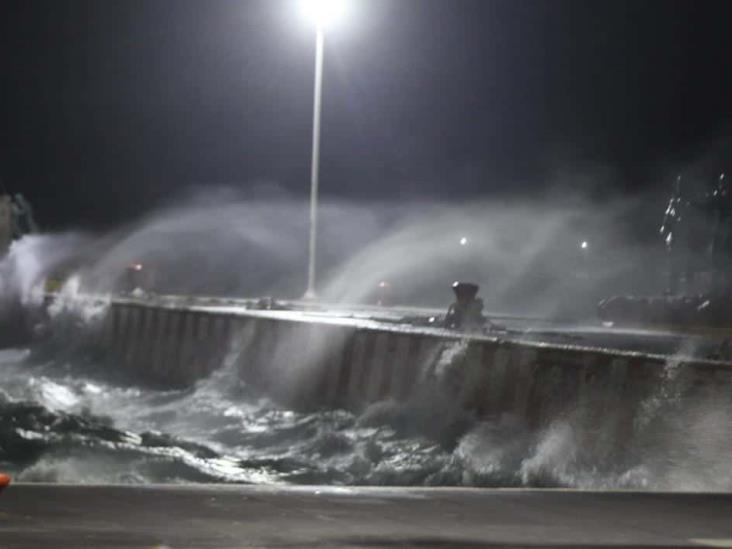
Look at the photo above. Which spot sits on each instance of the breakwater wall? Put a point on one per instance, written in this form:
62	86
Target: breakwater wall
312	360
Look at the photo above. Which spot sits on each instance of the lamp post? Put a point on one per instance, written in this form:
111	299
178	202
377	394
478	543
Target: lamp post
315	162
322	12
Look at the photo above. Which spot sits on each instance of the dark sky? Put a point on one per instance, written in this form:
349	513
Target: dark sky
109	107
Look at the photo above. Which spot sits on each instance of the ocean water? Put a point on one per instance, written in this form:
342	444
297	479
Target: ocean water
77	421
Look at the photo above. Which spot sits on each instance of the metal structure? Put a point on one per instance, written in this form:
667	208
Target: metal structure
315	161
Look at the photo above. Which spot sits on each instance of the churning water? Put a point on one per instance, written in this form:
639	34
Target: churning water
77	422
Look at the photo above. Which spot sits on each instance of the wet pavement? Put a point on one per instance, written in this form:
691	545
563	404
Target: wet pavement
38	515
590	333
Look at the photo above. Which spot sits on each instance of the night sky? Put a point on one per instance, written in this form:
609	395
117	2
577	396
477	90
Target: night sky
109	108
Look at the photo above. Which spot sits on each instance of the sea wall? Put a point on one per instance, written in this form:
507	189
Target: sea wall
307	361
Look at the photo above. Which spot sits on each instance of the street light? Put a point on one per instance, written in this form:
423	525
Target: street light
585	253
323	13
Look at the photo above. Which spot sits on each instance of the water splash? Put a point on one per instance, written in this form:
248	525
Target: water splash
62	423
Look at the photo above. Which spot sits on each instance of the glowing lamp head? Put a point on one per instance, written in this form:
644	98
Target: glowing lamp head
323	12
464	241
584	245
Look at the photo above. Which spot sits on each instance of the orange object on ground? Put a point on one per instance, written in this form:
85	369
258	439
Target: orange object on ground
4	480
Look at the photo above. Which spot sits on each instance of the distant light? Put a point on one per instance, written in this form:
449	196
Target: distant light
464	241
584	245
383	284
323	12
137	266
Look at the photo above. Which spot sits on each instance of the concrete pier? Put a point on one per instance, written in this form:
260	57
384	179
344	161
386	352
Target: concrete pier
244	516
311	359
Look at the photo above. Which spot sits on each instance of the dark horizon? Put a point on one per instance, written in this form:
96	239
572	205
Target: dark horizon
110	109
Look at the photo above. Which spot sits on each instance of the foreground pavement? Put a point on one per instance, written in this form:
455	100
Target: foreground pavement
37	515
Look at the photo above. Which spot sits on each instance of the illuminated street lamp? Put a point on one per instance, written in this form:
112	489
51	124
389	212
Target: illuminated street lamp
585	251
323	13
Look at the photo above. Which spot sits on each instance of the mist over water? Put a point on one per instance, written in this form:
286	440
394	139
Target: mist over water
539	259
31	259
66	417
550	257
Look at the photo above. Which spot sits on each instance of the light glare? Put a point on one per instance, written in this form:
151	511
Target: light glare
323	12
